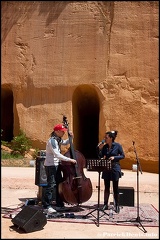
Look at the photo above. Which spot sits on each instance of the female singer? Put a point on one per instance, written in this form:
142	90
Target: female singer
113	153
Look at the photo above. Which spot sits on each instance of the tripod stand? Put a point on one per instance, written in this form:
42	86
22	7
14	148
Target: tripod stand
137	219
96	165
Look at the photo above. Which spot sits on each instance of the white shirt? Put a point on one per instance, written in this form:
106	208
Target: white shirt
53	155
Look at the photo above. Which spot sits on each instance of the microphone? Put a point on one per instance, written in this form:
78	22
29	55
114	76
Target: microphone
102	142
133	142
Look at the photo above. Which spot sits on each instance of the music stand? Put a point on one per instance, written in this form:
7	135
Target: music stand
97	165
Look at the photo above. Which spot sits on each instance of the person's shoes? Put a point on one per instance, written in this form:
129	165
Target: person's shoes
50	210
105	207
59	209
117	210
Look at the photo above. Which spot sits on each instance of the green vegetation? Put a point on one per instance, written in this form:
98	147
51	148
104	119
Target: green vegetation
7	155
20	145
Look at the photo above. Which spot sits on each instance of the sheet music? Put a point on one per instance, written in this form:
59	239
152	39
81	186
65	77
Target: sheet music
98	164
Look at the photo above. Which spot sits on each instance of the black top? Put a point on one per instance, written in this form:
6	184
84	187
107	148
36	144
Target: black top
116	151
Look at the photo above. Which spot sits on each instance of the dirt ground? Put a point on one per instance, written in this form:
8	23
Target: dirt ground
18	184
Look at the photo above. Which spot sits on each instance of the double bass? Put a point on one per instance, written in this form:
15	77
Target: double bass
76	188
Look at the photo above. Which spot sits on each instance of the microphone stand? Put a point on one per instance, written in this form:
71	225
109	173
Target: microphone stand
138	220
138	169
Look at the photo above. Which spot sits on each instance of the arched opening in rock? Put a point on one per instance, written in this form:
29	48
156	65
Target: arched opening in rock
85	107
6	114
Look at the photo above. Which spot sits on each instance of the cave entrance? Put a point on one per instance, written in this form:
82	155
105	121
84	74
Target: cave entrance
86	109
6	114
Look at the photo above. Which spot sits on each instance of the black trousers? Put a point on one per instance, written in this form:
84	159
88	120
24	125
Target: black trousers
107	191
54	177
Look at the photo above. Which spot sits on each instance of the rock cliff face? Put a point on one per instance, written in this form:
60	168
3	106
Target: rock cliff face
94	62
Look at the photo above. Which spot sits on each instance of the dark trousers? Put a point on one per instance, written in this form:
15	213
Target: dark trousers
54	177
107	191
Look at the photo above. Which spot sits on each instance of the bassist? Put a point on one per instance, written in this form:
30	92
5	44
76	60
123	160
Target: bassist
52	167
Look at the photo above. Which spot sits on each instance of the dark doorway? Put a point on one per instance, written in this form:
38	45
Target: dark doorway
6	114
86	120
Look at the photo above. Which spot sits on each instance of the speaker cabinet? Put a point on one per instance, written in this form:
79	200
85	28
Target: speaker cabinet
30	219
126	196
41	179
40	174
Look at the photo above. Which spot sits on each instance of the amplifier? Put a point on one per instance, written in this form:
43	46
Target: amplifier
41	153
40	173
41	179
126	196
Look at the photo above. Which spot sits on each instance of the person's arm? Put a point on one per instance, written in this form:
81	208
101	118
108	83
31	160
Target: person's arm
101	150
61	157
55	150
67	141
120	155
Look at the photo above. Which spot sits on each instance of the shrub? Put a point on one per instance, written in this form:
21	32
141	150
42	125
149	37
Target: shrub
5	143
20	144
7	155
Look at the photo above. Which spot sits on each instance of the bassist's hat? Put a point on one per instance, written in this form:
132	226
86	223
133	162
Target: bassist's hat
60	127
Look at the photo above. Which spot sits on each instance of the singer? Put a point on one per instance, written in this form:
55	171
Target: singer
112	151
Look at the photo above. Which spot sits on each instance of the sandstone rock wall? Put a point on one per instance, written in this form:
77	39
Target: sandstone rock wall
95	62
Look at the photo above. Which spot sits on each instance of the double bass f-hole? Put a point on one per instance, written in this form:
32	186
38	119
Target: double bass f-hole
76	188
